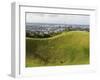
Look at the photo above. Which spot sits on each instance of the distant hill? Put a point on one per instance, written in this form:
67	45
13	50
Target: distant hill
52	24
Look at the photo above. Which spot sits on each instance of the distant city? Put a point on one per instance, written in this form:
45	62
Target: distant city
49	28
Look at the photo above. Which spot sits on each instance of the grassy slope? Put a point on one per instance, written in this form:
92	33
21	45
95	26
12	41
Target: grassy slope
65	49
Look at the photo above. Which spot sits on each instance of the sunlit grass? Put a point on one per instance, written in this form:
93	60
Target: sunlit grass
67	48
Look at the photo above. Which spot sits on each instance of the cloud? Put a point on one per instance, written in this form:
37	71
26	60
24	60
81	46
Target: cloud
57	18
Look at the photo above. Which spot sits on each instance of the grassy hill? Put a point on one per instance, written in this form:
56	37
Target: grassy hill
67	48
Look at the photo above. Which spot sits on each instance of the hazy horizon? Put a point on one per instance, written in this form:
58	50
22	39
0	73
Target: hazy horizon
57	18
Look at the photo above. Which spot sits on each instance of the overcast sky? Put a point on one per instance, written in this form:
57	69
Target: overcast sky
57	18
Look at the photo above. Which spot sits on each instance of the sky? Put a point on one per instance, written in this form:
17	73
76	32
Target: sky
57	18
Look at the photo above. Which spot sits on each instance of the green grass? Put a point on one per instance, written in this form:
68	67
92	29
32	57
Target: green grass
67	48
